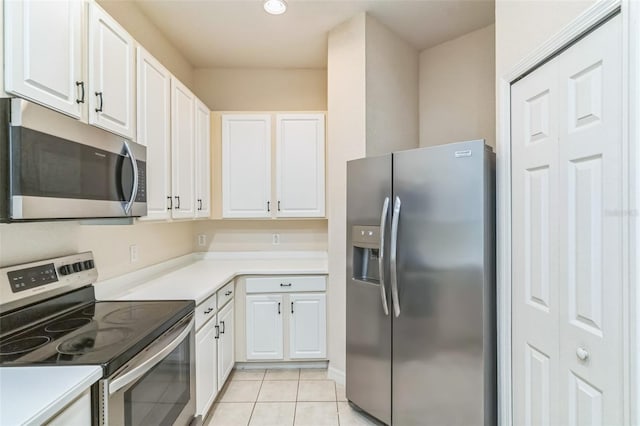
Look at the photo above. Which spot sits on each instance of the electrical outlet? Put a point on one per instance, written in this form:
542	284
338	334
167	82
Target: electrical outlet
202	240
275	239
133	253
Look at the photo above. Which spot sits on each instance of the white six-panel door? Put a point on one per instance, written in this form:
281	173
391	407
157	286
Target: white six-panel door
111	95
246	165
567	236
154	131
300	165
43	53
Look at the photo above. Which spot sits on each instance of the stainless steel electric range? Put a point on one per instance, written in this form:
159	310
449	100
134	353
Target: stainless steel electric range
49	316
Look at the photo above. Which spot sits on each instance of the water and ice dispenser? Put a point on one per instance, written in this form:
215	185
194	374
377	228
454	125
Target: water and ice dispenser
366	249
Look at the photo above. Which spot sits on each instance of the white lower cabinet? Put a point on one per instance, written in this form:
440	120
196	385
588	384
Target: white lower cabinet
304	314
206	363
264	326
77	413
226	358
307	326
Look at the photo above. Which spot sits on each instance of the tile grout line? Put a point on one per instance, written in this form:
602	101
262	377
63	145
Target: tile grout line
295	407
256	401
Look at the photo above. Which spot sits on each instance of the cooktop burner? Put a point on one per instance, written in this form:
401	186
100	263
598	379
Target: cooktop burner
67	325
25	344
94	340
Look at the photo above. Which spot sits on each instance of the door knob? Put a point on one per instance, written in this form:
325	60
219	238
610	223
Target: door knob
582	354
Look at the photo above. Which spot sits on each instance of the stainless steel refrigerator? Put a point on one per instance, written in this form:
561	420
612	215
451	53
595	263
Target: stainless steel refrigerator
421	327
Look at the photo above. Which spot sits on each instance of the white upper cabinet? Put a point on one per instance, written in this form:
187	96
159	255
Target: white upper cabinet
182	150
246	165
111	71
203	160
153	129
300	165
43	53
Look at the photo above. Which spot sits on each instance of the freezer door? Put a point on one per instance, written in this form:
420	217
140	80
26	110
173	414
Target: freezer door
368	370
443	325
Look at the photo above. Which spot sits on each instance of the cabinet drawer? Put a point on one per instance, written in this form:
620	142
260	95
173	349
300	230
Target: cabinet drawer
205	311
286	284
225	294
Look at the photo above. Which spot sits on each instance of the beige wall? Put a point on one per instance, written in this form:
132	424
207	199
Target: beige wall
243	89
457	89
391	91
254	235
25	242
147	34
346	140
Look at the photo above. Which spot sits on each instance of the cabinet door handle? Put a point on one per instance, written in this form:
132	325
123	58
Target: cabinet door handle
199	204
228	293
217	332
81	85
223	327
291	307
170	200
99	95
285	285
268	206
177	206
208	311
278	205
279	308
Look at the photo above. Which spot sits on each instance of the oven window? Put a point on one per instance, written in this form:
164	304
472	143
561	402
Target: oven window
161	395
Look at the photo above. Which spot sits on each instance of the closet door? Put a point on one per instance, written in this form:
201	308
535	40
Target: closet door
567	236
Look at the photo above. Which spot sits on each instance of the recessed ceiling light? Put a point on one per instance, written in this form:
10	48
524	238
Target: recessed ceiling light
275	7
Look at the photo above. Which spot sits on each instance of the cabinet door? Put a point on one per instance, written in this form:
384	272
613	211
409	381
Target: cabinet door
206	364
264	327
307	326
226	354
203	160
300	165
182	150
43	53
246	166
111	71
154	115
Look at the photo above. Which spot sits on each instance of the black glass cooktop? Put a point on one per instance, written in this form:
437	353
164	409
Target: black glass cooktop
94	333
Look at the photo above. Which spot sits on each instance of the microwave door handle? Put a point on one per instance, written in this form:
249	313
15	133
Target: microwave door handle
134	190
138	368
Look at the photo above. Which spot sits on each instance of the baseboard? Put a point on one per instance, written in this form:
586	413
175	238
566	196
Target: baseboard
280	365
337	375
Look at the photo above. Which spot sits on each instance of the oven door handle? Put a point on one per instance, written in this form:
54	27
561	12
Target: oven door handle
151	356
134	190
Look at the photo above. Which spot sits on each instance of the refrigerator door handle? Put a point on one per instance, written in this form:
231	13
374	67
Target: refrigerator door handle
383	223
393	256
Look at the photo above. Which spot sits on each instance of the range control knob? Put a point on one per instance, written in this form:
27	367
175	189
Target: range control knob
66	270
88	264
77	267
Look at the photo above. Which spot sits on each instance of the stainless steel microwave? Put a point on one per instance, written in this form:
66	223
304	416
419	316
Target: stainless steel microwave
53	167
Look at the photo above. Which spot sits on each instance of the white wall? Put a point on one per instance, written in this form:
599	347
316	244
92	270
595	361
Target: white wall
346	105
245	89
127	13
25	242
391	91
253	235
457	89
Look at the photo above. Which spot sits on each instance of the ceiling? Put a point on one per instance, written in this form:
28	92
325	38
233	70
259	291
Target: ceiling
238	33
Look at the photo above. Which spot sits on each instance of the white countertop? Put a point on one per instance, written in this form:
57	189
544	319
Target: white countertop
207	273
32	395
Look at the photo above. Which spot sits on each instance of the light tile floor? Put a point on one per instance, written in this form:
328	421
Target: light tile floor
280	397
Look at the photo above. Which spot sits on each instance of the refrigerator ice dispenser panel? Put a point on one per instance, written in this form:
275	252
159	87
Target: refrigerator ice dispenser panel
366	248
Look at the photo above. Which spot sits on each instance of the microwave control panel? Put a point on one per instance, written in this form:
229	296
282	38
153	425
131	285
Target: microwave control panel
141	195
